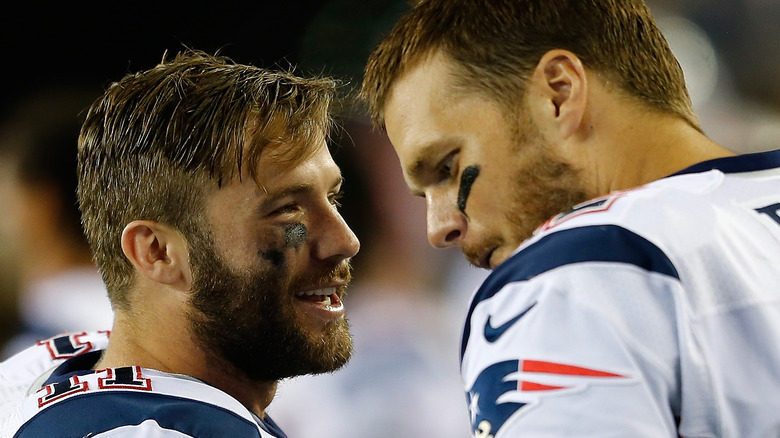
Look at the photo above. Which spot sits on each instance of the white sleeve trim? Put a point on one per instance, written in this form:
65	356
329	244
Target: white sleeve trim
147	429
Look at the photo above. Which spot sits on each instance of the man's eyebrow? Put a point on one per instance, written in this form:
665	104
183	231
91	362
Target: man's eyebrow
427	152
295	189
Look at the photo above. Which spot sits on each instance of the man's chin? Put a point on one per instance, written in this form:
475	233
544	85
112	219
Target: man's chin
334	345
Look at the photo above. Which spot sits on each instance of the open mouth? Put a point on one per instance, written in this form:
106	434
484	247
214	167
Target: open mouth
326	297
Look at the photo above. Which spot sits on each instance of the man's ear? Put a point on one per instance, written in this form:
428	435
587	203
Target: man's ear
158	252
560	81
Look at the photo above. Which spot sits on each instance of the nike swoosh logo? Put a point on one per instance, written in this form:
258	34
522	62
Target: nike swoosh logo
493	333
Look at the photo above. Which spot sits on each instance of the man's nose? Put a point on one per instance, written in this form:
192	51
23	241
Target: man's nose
446	224
336	240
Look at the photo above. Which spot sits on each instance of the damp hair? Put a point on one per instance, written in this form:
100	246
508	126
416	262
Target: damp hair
496	44
157	141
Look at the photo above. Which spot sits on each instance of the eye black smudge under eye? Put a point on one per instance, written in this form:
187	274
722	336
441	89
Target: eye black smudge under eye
275	256
274	252
468	177
295	235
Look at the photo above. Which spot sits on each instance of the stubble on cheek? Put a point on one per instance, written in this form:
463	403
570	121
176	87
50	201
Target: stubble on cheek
545	187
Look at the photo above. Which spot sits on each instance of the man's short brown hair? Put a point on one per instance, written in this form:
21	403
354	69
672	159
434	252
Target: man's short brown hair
496	44
156	141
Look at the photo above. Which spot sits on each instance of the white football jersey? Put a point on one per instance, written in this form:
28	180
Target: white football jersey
653	312
50	390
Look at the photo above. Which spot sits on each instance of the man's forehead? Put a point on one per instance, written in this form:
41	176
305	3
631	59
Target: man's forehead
416	109
434	73
276	158
274	178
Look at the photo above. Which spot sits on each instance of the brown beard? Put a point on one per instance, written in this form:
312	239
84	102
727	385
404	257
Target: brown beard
542	186
248	320
545	187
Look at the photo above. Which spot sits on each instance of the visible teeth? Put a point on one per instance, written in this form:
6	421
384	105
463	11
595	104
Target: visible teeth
328	291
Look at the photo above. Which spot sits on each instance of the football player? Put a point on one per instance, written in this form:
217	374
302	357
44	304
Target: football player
635	262
210	200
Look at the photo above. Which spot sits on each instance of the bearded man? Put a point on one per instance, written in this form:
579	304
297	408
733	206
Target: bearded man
209	198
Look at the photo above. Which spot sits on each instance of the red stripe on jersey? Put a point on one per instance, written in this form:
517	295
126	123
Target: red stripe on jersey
537	366
533	386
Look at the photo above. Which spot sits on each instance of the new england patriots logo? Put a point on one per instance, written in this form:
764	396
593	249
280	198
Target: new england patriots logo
487	416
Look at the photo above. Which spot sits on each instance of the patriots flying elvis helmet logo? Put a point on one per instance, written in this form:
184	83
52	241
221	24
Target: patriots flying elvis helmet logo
488	416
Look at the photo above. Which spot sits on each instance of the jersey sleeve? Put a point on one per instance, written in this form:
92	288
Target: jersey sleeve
575	336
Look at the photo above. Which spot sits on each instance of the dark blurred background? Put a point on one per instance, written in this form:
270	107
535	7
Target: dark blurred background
88	44
91	43
408	300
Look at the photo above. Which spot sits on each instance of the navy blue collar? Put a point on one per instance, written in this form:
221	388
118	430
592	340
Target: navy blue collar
76	366
736	164
82	365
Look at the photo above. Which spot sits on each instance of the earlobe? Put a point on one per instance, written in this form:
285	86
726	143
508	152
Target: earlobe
158	252
561	75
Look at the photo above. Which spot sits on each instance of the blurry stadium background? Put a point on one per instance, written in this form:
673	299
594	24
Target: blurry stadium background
407	300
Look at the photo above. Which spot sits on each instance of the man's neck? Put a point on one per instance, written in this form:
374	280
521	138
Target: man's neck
671	147
630	147
622	143
162	342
